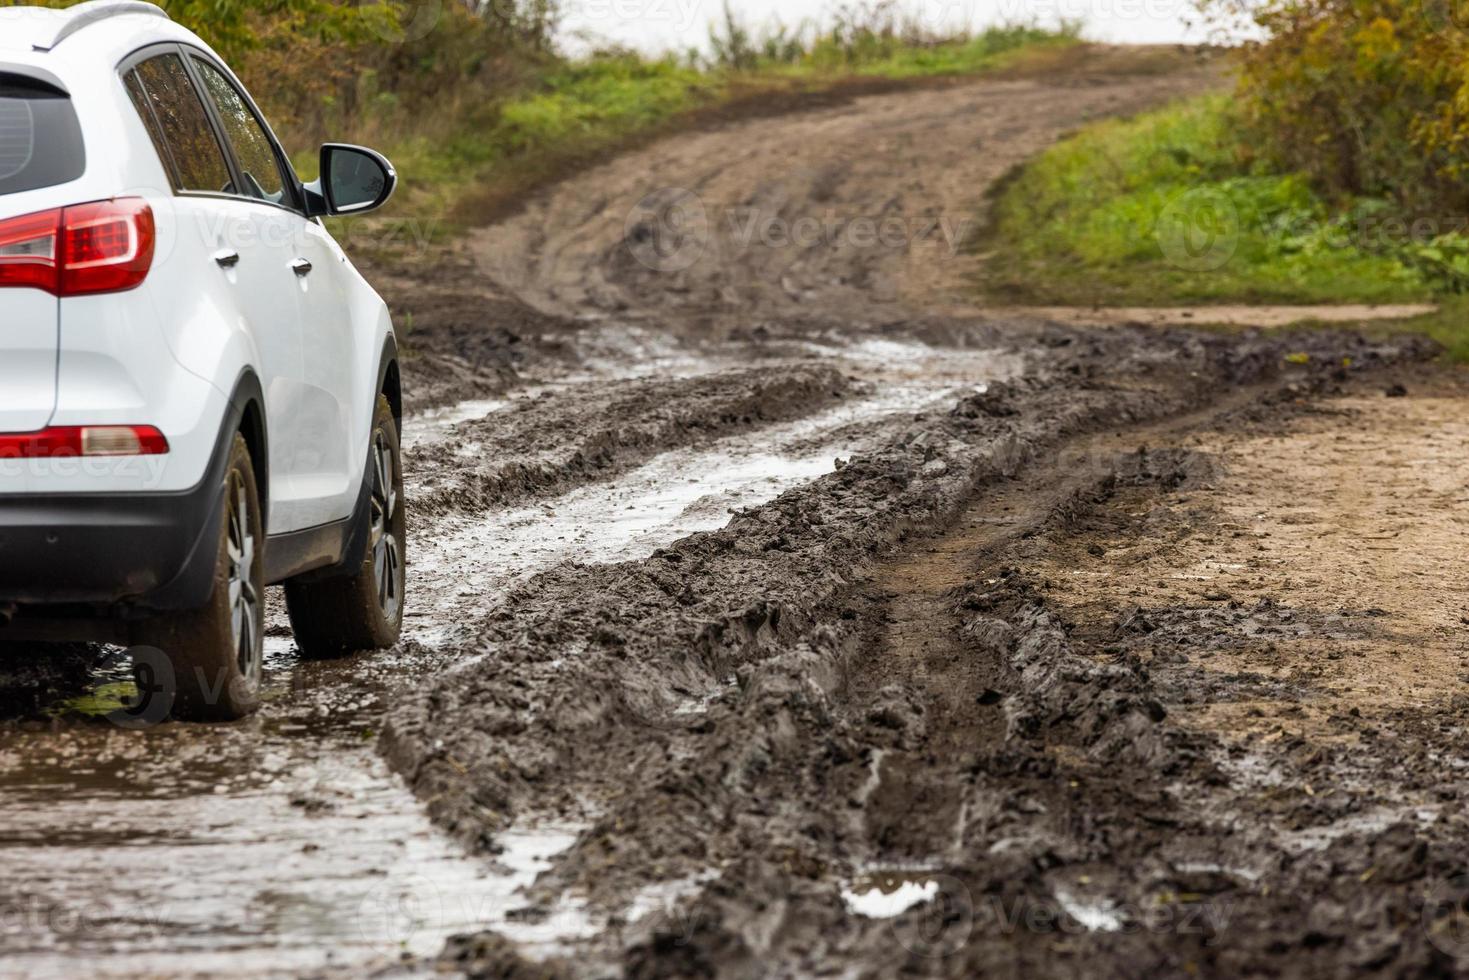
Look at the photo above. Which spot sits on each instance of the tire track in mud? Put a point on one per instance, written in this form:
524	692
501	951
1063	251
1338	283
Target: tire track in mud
313	796
565	438
1114	823
661	746
920	629
657	698
839	405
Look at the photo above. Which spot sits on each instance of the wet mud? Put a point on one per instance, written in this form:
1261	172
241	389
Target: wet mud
786	614
773	710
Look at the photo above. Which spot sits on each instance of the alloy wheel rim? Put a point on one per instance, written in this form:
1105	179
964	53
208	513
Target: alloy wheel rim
244	596
387	550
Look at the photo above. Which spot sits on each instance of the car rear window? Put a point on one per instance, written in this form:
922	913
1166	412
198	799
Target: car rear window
40	138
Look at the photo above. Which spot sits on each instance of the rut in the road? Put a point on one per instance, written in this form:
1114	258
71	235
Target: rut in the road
582	704
572	436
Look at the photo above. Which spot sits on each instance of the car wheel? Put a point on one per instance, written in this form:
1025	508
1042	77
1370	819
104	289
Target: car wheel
362	610
216	653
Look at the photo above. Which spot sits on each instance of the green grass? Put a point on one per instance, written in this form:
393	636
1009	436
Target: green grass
100	701
1162	209
473	157
575	110
875	57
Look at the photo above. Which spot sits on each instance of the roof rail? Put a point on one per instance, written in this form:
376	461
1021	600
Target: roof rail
92	12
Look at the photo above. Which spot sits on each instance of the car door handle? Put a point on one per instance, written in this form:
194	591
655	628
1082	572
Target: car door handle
227	258
301	267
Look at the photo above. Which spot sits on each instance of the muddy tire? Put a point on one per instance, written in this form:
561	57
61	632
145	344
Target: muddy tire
363	610
216	652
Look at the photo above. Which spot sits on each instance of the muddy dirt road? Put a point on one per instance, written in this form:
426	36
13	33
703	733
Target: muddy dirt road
776	612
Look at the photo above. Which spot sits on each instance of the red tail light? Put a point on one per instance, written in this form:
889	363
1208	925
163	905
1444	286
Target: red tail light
104	247
85	440
28	250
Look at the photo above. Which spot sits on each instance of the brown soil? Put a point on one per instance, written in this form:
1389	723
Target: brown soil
1137	650
854	214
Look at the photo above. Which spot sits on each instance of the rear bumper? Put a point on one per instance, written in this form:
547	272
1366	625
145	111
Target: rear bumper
150	552
107	555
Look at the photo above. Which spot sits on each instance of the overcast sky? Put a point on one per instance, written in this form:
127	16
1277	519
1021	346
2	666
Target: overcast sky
660	25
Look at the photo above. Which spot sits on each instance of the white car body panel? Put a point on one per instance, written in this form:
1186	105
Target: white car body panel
28	364
170	352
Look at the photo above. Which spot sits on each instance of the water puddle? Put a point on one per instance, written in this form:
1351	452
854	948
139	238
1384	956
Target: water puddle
884	894
674	495
423	428
277	846
1369	824
629	353
1093	915
283	845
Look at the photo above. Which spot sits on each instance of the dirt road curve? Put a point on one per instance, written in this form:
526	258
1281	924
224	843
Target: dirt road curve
778	613
856	215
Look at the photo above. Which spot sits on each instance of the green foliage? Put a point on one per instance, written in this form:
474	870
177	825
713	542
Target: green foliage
1367	97
619	92
871	40
234	27
574	110
472	105
1168	208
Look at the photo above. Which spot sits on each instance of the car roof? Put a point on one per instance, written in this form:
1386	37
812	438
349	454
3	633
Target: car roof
22	27
104	31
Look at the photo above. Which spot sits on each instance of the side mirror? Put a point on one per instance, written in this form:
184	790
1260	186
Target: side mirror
354	180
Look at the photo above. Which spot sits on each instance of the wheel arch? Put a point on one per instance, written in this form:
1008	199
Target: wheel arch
247	417
390	381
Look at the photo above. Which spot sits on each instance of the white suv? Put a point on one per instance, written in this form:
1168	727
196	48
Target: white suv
199	394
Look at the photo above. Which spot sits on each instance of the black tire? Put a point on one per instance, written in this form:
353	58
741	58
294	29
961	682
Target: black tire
362	610
215	654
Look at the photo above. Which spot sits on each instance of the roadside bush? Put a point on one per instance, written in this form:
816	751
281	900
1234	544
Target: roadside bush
1370	98
474	104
